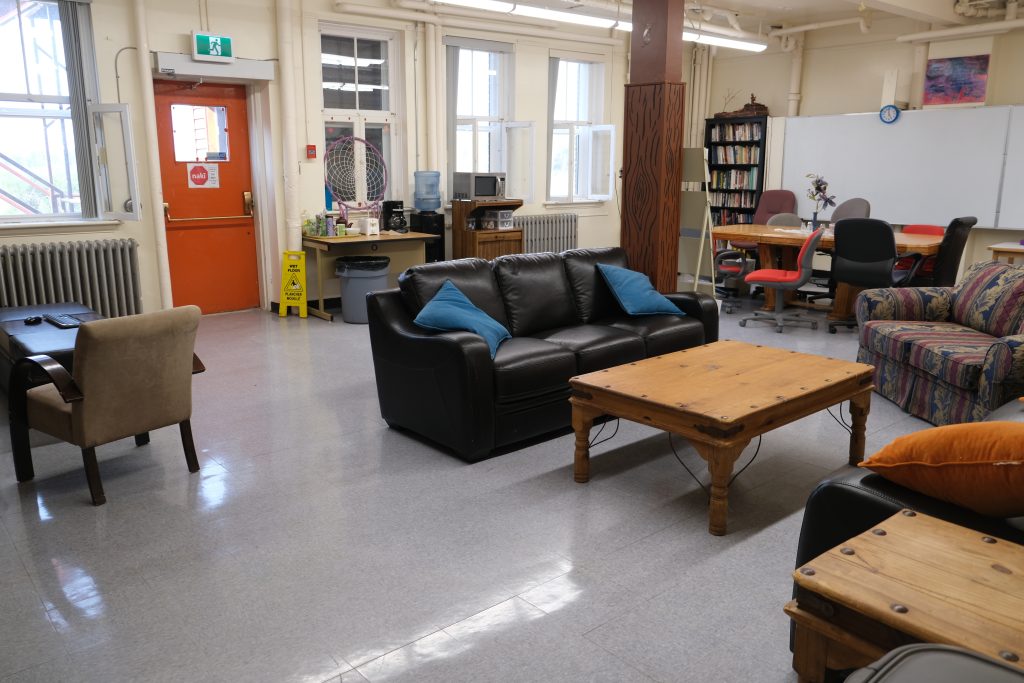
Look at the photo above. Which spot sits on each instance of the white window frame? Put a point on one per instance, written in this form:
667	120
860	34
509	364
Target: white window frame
359	118
512	187
581	135
85	118
506	83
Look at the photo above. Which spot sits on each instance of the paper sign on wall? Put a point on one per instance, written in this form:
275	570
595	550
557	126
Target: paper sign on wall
203	176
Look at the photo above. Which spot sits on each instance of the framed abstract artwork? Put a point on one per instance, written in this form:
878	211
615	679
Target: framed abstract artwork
956	80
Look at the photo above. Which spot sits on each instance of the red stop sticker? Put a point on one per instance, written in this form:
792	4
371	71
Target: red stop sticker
198	175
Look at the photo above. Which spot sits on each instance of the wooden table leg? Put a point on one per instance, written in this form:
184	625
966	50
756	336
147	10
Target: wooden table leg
582	420
720	461
860	406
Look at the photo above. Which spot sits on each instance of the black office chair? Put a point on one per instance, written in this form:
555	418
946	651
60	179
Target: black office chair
865	256
941	272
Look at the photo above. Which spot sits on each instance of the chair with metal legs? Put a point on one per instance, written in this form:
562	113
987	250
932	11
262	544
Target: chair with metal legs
783	281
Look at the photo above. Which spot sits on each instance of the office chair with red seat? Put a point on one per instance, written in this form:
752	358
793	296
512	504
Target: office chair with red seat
785	280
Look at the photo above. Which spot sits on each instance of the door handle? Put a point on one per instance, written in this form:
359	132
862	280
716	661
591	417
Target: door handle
246	207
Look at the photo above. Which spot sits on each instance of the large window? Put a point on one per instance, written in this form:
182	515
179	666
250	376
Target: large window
482	138
581	164
54	161
481	107
359	96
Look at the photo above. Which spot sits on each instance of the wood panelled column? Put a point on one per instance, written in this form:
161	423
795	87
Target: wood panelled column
652	144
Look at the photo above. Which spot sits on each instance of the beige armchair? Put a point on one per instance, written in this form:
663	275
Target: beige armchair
131	375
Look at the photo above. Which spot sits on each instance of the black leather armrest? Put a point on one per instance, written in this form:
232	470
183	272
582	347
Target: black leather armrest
701	306
438	384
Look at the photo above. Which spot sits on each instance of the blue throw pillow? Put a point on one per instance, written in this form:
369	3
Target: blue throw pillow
634	292
451	310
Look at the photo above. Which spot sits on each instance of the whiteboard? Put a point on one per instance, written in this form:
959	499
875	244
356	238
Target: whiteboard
1011	208
929	167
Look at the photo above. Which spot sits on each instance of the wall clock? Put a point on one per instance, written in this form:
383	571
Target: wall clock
890	113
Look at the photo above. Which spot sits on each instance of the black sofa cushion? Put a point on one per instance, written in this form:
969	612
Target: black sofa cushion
661	333
473	277
594	300
536	292
525	367
597	346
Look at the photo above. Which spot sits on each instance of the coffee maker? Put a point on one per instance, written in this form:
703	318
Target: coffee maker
392	216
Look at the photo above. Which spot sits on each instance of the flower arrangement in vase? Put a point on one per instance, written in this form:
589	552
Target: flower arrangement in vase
819	193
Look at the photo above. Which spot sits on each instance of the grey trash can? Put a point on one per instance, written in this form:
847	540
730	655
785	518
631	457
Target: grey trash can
360	275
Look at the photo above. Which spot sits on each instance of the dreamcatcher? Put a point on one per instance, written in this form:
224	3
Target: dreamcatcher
356	173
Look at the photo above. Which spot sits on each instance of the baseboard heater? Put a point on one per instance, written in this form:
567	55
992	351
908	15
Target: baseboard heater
102	274
547	232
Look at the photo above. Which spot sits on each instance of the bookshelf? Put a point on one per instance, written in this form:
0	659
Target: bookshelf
736	165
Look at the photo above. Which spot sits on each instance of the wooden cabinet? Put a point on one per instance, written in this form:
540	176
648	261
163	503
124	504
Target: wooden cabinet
736	162
486	244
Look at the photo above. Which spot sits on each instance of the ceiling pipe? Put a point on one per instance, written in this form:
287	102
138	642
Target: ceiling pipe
966	9
988	29
459	11
865	26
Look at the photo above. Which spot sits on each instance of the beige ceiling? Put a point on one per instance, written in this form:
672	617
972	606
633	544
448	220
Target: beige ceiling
789	11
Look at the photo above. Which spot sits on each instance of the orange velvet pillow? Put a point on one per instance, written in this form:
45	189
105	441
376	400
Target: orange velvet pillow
978	465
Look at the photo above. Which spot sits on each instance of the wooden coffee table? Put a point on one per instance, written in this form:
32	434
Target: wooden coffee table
913	578
719	396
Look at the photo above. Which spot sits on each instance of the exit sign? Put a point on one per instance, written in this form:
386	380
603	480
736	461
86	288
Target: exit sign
208	47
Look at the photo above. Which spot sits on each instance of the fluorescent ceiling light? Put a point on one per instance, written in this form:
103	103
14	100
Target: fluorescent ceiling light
489	5
567	17
708	39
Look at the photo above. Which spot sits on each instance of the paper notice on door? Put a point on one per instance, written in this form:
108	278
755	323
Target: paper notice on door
203	176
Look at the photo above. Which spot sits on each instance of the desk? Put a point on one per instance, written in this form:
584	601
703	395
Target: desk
777	242
1008	250
405	249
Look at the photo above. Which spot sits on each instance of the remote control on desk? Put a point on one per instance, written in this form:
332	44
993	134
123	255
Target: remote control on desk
62	320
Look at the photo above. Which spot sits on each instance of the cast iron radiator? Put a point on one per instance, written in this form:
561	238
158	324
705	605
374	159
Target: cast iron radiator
103	275
547	232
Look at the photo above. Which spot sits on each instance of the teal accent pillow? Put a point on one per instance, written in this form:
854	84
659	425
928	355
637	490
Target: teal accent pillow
634	292
451	310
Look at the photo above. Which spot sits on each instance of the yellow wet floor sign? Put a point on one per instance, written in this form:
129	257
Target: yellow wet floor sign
293	283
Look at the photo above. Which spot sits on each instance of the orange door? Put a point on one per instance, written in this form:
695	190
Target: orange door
207	181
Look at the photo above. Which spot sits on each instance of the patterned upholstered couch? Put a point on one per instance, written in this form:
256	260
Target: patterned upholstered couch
947	354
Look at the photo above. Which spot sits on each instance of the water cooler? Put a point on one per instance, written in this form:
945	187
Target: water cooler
427	200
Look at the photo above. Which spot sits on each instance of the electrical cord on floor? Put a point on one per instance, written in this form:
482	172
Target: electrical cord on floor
699	483
840	420
611	436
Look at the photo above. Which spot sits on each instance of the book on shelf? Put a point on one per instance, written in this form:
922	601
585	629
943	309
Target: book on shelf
736	132
736	154
734	179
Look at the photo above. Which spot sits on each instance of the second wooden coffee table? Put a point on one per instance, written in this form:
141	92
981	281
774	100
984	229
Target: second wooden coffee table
719	396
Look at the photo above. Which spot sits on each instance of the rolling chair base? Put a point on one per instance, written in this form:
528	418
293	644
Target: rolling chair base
780	319
841	323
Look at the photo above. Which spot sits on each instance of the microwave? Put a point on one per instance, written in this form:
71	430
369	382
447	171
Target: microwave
478	186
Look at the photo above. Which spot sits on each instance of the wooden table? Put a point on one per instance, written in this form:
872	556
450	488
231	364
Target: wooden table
783	243
719	396
913	578
1007	250
384	244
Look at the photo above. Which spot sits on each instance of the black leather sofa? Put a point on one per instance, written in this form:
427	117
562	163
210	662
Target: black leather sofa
564	322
